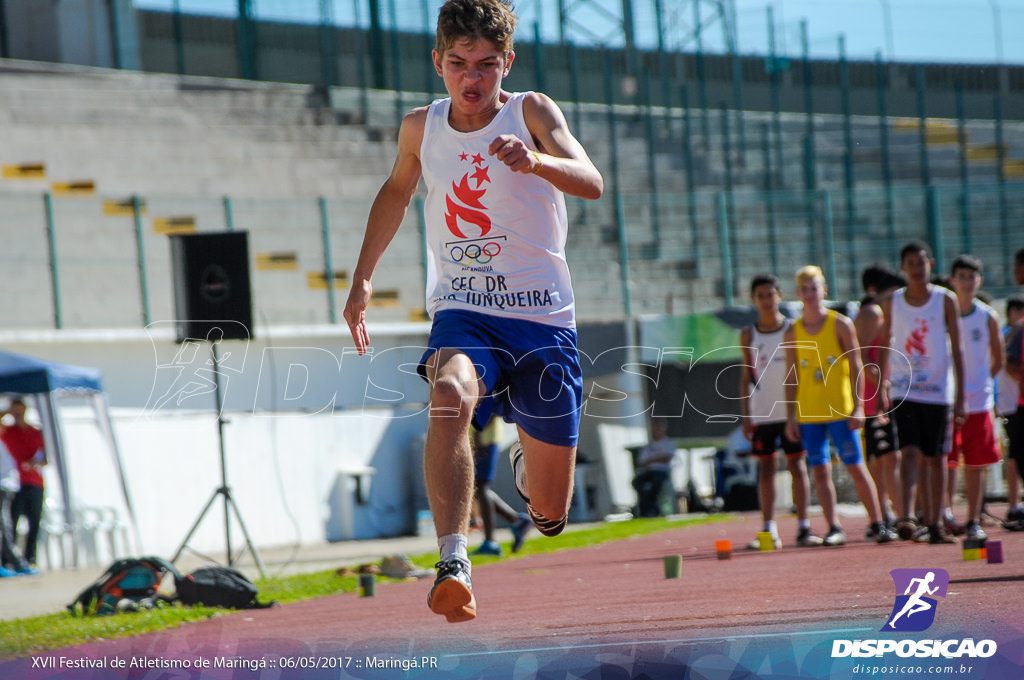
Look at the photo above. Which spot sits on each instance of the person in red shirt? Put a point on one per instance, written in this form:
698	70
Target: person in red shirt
25	442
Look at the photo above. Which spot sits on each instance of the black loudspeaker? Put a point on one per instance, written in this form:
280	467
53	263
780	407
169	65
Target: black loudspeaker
212	297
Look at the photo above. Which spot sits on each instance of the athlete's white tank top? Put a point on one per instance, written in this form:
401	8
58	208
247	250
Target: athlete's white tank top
921	369
768	394
496	238
978	383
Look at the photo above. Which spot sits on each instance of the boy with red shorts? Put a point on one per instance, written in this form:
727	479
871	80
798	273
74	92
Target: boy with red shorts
975	440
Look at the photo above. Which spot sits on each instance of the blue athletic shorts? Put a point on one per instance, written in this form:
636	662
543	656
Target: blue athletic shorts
531	371
847	442
486	458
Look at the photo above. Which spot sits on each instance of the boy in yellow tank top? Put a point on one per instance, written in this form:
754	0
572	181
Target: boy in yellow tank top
826	401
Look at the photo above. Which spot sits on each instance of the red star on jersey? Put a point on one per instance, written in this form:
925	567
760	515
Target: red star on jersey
463	156
477	159
480	175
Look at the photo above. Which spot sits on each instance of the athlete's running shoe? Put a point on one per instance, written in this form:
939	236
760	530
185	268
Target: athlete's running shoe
975	531
952	527
519	529
905	528
938	536
515	456
452	594
835	537
880	533
489	548
806	539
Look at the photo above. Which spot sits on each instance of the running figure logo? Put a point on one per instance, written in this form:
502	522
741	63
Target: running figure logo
914	610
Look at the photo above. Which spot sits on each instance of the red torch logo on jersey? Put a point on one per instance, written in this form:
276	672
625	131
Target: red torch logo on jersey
468	208
915	344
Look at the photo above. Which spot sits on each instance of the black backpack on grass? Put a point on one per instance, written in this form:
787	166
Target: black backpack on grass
216	586
129	584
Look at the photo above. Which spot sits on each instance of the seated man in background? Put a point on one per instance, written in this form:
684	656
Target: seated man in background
653	469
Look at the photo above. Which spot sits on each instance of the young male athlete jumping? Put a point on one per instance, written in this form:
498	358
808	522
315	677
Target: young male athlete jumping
503	339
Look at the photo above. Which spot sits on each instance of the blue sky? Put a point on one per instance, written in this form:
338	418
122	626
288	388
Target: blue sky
904	30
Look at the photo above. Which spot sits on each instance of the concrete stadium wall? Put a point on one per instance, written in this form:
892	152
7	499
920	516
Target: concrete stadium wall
303	412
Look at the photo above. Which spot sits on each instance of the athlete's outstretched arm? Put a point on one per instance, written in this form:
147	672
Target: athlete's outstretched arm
952	313
846	334
884	341
561	159
747	380
792	425
386	215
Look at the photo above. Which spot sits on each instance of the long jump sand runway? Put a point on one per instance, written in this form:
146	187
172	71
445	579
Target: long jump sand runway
608	612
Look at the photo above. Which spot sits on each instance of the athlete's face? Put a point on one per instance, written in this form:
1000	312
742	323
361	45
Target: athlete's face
812	291
966	283
917	266
766	298
473	70
1015	316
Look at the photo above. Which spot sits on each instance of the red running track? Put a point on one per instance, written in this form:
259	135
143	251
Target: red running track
607	612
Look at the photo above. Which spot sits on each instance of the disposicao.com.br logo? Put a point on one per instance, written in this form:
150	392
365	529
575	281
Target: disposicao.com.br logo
914	611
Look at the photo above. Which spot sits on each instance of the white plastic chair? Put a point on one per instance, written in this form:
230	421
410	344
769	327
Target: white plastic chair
53	529
88	524
117	532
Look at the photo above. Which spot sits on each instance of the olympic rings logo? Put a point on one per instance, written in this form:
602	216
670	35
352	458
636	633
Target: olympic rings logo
475	253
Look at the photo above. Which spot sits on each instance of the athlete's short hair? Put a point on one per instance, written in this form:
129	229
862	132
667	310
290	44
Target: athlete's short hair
765	280
491	20
915	247
873	275
1014	303
942	280
965	261
809	272
893	281
1018	257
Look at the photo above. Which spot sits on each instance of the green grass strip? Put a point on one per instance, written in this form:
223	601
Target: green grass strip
23	637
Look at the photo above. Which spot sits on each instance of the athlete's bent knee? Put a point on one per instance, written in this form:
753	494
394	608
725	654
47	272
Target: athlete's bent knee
448	394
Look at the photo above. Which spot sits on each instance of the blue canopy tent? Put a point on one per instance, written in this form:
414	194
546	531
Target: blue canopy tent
45	380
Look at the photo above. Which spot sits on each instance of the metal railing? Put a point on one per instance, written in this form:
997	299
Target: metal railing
76	267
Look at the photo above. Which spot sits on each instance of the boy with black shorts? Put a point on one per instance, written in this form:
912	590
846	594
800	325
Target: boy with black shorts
1015	368
1007	392
764	410
925	389
881	446
503	340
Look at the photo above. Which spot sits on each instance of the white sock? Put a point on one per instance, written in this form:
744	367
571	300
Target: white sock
803	524
772	527
454	547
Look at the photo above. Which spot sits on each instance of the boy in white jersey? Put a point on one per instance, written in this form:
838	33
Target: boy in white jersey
975	439
926	368
496	166
763	404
